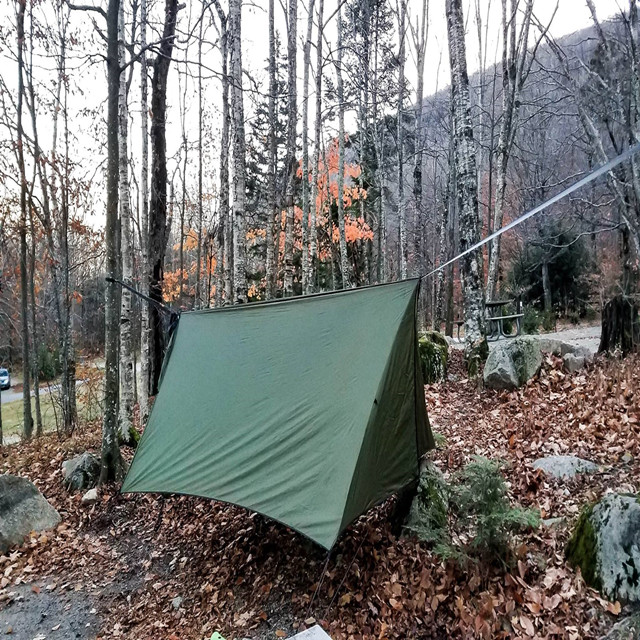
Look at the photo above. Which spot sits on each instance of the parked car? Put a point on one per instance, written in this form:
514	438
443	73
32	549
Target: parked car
5	379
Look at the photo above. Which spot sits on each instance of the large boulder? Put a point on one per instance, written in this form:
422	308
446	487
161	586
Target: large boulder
606	546
23	509
564	466
82	472
434	353
511	363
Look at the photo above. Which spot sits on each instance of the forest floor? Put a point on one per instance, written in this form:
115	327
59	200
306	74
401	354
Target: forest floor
141	567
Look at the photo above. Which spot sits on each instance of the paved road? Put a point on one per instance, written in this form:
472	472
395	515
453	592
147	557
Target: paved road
588	337
12	396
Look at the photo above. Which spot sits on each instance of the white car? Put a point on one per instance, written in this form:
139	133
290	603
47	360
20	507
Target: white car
5	379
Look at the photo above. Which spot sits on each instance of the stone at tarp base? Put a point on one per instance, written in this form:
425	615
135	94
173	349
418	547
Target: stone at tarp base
81	472
315	633
23	509
90	497
564	466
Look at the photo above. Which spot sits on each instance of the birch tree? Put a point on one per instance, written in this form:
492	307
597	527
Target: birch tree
238	152
273	230
305	151
471	275
290	163
344	258
144	218
126	246
402	213
313	239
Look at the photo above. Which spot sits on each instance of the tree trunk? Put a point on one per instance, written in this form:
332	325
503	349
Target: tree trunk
273	229
24	281
126	338
402	213
313	209
238	155
290	164
305	152
198	300
620	325
546	286
35	365
158	228
112	464
344	258
144	221
471	275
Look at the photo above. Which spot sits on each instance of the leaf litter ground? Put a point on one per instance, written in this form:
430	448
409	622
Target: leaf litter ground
147	567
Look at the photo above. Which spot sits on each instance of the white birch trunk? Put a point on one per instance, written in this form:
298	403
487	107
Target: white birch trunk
144	221
344	258
313	213
402	213
471	275
126	341
305	151
238	153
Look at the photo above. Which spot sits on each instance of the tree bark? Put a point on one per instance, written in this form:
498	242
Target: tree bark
238	153
402	213
471	275
144	221
273	229
305	152
126	339
290	164
344	258
112	464
158	228
315	170
24	281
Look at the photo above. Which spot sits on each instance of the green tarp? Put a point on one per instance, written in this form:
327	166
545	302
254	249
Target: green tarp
308	410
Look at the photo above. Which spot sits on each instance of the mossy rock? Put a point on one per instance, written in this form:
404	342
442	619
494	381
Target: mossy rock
434	355
606	546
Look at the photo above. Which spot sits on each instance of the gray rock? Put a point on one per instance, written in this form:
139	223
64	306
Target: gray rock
22	509
606	546
82	472
626	457
511	363
572	362
553	523
625	629
176	603
90	497
564	466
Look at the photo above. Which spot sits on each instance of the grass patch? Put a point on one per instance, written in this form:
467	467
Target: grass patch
89	408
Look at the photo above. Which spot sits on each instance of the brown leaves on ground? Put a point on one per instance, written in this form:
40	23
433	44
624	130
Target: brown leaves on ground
245	577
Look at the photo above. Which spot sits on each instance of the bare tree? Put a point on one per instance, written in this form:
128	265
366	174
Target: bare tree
305	151
126	246
467	191
158	203
238	153
402	213
24	281
290	163
112	464
344	258
144	218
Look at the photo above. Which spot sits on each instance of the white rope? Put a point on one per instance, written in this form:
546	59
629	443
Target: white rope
596	173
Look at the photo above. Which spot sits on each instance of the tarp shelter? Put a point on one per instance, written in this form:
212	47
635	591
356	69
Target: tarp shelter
307	410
